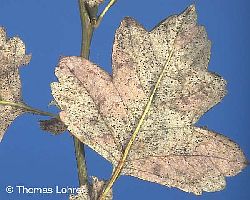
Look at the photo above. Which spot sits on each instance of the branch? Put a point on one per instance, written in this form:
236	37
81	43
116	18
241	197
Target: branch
87	29
87	14
88	22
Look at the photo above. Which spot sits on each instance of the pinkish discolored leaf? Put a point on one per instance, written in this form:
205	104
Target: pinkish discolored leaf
159	89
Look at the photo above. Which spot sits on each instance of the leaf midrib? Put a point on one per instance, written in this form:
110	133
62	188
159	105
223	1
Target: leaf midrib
122	161
116	173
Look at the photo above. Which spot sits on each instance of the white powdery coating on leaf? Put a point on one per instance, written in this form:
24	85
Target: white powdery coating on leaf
168	65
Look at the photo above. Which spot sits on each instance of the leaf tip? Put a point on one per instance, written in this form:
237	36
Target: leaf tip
192	8
190	11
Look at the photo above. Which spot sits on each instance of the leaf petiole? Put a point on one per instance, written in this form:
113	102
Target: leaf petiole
100	17
27	108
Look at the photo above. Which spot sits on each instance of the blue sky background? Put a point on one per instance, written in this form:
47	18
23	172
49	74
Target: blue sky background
50	29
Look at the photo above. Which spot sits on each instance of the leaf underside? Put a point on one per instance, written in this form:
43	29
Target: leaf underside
12	56
159	89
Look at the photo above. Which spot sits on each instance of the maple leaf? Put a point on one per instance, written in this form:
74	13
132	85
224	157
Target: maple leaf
142	118
92	193
12	56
